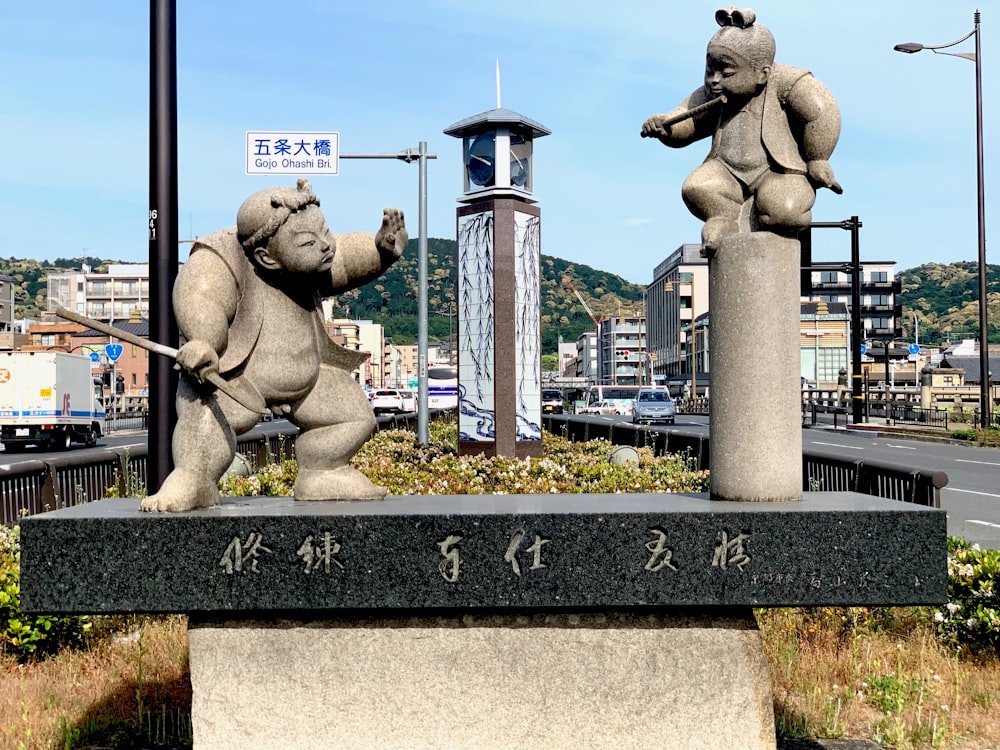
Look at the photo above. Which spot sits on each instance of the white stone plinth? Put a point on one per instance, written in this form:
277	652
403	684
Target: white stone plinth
506	681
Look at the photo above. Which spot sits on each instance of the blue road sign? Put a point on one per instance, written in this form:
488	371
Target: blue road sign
95	357
913	349
114	351
864	348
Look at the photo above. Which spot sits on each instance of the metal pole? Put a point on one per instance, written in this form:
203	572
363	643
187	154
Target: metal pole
423	432
694	377
984	339
856	398
163	236
421	157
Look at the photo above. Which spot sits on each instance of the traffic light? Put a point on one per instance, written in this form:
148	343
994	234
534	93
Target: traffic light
120	384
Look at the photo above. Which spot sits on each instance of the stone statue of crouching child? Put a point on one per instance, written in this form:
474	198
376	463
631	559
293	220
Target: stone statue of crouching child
773	128
248	303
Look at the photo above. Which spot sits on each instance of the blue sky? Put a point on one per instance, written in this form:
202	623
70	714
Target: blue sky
388	74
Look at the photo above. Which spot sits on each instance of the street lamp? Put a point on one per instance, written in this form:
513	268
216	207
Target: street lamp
976	57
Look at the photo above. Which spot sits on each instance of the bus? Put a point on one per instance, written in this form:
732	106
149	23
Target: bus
442	387
618	394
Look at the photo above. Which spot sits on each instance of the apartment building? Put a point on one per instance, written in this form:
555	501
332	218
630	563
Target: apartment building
621	348
675	299
114	295
881	311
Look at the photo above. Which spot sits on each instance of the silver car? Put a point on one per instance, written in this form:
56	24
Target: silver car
653	406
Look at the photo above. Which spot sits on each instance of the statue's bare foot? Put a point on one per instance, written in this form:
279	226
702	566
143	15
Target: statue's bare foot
183	490
715	230
342	483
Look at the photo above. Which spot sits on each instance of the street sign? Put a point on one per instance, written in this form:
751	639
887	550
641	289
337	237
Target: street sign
95	357
863	349
914	357
913	349
292	152
114	351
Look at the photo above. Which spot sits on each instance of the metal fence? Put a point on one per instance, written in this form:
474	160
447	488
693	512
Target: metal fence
31	487
909	414
130	419
820	472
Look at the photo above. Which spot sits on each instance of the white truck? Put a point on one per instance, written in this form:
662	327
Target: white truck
49	399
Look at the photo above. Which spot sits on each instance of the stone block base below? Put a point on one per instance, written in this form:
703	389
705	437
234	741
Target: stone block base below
560	680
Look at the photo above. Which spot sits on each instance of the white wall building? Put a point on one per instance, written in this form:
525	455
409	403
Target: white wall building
114	295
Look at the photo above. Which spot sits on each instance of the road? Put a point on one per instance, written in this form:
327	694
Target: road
971	499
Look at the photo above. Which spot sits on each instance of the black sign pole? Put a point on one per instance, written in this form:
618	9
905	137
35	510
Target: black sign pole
163	233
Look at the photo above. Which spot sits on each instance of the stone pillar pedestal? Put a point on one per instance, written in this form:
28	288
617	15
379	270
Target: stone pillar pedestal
620	679
756	436
926	397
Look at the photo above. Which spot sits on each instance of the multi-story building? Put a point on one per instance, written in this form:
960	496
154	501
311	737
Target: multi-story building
114	295
585	365
824	333
621	344
881	312
677	296
6	304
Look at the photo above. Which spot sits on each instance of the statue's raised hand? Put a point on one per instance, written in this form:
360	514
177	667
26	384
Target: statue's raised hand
392	237
821	174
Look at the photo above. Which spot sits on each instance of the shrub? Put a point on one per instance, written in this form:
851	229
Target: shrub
23	635
971	618
394	458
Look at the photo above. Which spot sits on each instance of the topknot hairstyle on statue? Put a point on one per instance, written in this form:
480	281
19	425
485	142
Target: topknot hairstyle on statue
741	34
263	213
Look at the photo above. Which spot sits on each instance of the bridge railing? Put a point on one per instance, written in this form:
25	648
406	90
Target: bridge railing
31	487
820	472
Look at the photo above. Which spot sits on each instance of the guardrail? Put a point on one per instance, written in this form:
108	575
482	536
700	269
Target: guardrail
909	414
820	472
30	487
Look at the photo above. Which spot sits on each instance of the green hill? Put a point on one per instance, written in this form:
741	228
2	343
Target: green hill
945	299
392	298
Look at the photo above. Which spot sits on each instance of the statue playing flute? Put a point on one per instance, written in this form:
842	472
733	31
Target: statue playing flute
773	128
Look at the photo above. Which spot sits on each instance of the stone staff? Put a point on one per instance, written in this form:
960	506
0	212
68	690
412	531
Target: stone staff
232	388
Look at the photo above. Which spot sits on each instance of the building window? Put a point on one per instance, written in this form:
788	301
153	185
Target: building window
830	361
829	277
881	300
829	298
99	288
877	277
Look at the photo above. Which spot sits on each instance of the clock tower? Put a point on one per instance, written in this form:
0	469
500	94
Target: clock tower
499	314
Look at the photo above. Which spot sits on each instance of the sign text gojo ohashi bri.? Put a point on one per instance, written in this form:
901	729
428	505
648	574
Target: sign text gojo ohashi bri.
292	152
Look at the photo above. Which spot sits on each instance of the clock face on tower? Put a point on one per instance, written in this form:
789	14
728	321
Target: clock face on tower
520	162
480	159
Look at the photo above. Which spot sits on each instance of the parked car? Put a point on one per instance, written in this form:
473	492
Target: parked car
653	406
552	401
386	400
603	407
409	402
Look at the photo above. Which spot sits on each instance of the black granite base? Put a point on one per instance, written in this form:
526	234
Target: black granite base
484	552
